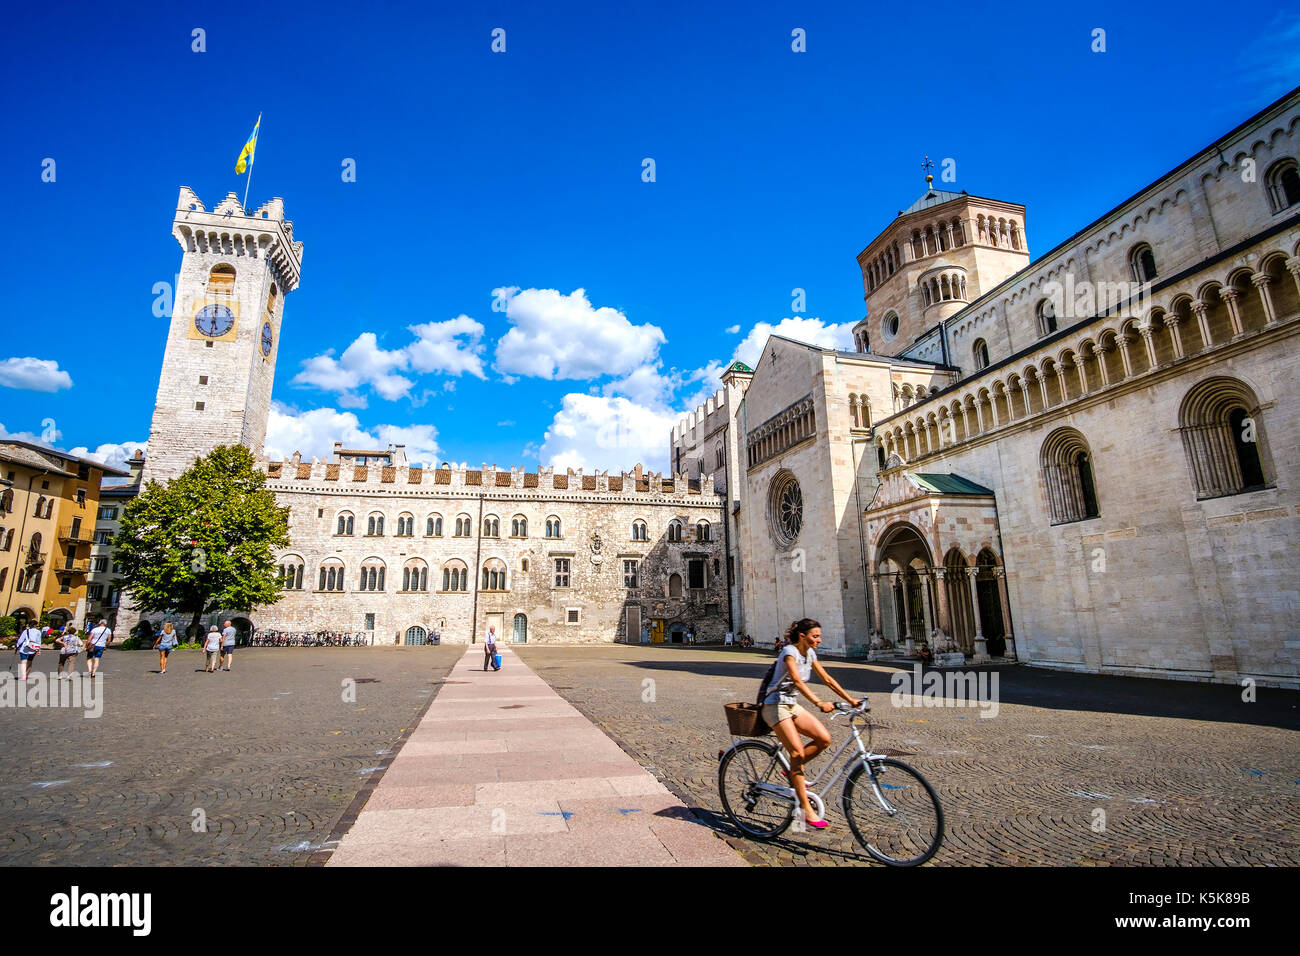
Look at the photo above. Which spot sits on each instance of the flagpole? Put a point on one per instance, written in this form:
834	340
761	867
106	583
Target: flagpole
252	160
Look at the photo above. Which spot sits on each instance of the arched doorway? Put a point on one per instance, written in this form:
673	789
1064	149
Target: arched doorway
914	602
143	630
416	636
243	630
961	613
990	602
677	634
903	564
58	618
519	635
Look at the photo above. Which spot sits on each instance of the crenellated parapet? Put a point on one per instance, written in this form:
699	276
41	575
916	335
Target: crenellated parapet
708	416
229	230
326	477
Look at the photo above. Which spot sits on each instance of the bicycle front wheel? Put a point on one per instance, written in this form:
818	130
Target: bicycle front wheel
894	812
755	812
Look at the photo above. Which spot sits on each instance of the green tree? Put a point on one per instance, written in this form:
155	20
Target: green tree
203	541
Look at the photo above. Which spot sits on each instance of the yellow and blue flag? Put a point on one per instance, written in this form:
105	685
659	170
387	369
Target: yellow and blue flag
249	147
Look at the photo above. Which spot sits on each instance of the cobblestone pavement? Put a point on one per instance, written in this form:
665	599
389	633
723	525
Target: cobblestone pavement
1074	770
270	753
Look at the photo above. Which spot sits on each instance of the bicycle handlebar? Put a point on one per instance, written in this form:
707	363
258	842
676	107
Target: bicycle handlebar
862	708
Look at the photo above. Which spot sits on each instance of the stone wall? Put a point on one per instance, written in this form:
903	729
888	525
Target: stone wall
596	514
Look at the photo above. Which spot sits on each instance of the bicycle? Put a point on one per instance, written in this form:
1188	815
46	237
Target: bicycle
892	810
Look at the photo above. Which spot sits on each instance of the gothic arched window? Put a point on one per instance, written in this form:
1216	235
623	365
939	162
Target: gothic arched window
1046	317
1224	440
1067	472
1284	184
1142	262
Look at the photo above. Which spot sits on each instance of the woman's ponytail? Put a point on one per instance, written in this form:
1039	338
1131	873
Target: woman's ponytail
799	628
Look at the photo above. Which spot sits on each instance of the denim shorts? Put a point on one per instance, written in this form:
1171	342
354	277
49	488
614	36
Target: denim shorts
25	656
94	652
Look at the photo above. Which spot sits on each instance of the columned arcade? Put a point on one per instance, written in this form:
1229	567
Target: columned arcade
934	581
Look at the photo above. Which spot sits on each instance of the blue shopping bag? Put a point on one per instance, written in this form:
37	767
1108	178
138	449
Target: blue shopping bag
496	661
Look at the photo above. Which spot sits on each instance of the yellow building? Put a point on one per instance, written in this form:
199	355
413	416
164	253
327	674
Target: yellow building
48	503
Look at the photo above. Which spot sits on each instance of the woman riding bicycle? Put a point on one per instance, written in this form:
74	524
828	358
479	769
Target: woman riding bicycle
796	664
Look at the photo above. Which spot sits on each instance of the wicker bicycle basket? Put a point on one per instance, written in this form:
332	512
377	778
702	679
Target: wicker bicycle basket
746	720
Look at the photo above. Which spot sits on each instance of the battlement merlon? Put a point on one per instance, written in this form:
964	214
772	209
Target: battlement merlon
717	403
230	230
295	475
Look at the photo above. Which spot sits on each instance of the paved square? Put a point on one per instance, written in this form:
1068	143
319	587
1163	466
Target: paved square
1073	770
1182	774
270	753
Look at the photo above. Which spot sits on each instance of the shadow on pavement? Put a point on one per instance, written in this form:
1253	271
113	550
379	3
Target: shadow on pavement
1037	687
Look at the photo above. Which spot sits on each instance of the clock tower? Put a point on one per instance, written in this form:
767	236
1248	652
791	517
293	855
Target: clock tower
219	365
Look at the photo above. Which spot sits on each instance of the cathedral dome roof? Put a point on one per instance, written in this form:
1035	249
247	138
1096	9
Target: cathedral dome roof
933	197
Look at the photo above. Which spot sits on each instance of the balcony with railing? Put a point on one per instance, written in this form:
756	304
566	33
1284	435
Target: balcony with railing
74	534
32	556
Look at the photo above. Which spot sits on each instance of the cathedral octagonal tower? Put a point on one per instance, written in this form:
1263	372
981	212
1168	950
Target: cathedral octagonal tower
942	252
219	365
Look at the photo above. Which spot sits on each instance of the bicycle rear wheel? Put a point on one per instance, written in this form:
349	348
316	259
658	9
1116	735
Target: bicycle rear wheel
757	814
894	812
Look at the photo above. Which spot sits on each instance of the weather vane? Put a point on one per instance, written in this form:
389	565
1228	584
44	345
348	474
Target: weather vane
926	167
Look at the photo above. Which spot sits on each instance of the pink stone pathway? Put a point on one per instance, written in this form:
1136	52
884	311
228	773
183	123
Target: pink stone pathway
502	771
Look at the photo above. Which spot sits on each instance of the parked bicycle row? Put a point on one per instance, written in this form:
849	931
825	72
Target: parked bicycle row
309	639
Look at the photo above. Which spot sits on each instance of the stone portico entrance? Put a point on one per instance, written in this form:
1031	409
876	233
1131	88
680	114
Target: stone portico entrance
956	604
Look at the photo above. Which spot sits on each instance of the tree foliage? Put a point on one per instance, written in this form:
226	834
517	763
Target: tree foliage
203	541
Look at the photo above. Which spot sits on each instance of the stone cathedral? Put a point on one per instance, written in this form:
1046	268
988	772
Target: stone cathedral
1084	460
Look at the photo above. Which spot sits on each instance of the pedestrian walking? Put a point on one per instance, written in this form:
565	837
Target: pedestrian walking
166	641
490	648
212	647
227	646
27	647
100	638
69	647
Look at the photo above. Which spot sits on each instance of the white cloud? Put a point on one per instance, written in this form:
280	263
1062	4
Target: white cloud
47	439
812	331
110	453
643	386
115	454
362	363
33	374
604	432
555	336
452	347
733	329
657	390
314	432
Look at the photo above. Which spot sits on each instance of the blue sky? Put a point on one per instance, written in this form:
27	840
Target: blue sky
523	171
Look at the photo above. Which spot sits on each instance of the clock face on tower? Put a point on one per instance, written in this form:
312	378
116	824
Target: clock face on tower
214	321
266	338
